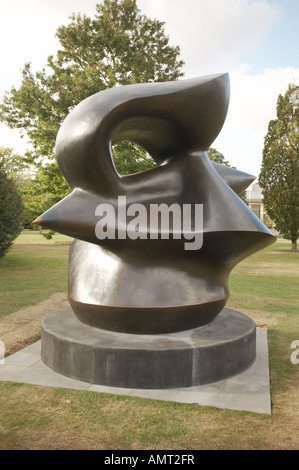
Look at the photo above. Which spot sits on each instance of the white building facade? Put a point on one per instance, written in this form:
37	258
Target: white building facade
254	199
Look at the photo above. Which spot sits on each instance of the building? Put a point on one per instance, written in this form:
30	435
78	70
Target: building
254	198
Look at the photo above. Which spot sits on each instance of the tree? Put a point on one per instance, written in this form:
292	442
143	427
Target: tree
17	169
279	176
11	211
44	190
12	163
218	157
118	46
130	158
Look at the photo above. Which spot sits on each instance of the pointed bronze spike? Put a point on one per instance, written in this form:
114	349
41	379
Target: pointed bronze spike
38	221
236	179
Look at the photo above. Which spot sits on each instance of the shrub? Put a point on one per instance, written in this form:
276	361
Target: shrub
11	211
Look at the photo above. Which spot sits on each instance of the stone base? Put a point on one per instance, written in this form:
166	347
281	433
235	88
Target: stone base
214	352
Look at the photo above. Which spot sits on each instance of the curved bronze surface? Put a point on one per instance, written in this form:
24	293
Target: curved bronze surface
150	286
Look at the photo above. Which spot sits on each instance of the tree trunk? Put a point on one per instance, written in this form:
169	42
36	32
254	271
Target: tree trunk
294	245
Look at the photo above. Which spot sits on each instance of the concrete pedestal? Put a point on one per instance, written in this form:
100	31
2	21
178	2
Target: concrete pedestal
214	352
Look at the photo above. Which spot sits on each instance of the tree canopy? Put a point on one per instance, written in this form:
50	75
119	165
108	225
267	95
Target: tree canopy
12	163
118	46
216	156
279	176
130	158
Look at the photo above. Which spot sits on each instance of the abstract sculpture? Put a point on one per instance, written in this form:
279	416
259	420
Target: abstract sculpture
151	284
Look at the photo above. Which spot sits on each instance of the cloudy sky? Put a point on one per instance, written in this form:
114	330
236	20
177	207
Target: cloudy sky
255	41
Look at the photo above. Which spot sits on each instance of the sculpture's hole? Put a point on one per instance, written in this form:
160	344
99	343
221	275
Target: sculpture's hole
130	158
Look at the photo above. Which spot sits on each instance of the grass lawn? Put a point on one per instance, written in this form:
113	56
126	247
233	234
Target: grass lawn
32	271
264	286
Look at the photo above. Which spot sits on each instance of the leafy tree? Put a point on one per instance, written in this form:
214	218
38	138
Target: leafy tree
12	163
45	190
17	169
279	176
216	156
131	158
118	46
11	211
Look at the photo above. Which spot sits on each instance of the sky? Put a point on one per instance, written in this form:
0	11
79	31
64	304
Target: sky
255	41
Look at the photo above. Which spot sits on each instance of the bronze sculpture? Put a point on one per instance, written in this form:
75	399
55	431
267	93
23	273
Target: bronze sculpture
152	285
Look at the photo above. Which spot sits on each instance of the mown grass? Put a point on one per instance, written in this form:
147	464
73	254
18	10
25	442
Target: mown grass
264	286
32	271
47	418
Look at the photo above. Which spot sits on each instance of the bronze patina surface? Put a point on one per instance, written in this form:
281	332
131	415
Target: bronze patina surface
146	285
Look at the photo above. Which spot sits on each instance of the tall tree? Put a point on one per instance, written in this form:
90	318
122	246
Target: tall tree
118	46
279	176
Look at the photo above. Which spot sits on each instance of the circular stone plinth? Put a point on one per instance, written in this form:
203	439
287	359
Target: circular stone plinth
217	351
